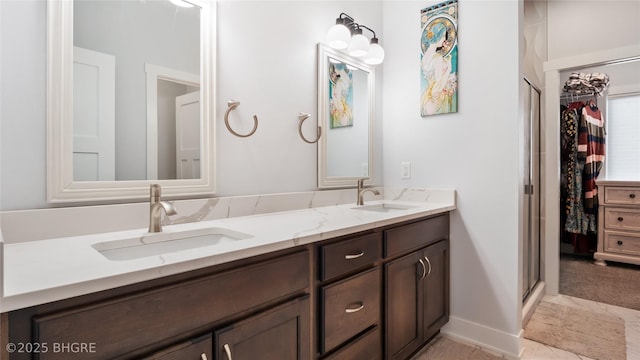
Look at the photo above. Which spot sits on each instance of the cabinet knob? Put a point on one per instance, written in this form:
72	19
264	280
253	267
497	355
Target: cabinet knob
354	256
619	242
620	218
358	306
227	350
203	356
424	269
633	196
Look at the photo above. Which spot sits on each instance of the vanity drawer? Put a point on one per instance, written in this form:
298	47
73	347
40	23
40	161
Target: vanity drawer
622	243
189	350
416	235
348	255
622	195
125	324
349	307
619	218
367	346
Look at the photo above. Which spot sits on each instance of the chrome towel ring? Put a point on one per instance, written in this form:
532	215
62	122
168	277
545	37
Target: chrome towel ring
302	117
231	105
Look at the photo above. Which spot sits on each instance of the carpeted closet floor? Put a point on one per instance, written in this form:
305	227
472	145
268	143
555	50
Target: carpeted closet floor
616	284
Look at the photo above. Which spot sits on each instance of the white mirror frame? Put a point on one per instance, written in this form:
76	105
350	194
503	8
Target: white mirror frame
60	185
324	180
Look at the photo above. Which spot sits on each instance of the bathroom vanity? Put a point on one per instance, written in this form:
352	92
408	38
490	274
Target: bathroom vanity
375	286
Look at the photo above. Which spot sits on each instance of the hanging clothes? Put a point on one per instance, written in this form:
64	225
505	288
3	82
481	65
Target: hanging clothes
591	146
582	157
576	220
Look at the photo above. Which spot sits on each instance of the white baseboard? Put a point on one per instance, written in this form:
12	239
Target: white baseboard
489	339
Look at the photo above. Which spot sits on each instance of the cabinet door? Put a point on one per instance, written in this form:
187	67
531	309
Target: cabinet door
403	292
278	334
197	349
436	288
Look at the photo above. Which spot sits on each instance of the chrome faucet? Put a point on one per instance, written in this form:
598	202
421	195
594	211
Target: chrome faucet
155	209
362	189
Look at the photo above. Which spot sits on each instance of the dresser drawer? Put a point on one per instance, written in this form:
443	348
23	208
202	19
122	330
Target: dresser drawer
624	219
404	238
348	255
367	346
622	243
131	322
622	195
349	307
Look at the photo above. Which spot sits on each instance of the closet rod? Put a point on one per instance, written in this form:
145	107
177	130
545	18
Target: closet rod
577	96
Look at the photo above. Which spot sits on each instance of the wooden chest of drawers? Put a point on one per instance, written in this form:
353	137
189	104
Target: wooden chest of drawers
618	222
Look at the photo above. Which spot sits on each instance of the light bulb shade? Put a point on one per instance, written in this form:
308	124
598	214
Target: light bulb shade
359	45
375	55
338	36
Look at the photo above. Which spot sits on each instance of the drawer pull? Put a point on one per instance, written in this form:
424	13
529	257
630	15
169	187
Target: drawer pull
424	269
354	256
619	242
227	351
633	196
350	310
429	263
203	356
620	218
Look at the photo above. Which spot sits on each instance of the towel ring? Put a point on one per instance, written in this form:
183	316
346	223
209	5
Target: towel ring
302	117
231	105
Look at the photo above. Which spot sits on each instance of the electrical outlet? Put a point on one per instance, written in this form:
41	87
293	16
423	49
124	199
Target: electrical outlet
406	169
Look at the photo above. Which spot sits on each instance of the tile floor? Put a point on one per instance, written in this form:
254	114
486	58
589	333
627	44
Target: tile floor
447	349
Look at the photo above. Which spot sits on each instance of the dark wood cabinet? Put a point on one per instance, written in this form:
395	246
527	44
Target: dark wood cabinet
417	299
378	294
138	322
403	300
197	349
416	277
278	334
435	288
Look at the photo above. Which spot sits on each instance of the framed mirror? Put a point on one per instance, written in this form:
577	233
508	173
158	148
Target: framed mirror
346	112
130	99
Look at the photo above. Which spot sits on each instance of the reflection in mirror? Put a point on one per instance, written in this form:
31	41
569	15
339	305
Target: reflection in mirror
345	109
130	34
127	100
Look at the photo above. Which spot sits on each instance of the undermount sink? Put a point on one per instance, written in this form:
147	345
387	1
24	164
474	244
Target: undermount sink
384	207
166	242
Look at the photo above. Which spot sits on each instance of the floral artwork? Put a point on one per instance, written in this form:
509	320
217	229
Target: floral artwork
340	95
439	59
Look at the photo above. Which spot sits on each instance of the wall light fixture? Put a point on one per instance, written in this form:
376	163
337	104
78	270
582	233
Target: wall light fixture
347	34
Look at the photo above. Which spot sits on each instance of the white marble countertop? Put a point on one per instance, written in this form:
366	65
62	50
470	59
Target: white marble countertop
37	272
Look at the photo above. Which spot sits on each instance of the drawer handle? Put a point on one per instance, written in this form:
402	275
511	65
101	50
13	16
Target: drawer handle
354	256
633	196
350	310
203	356
620	218
424	269
227	351
619	242
429	263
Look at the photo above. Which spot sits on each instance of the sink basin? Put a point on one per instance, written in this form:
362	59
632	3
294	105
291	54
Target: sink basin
384	207
166	242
